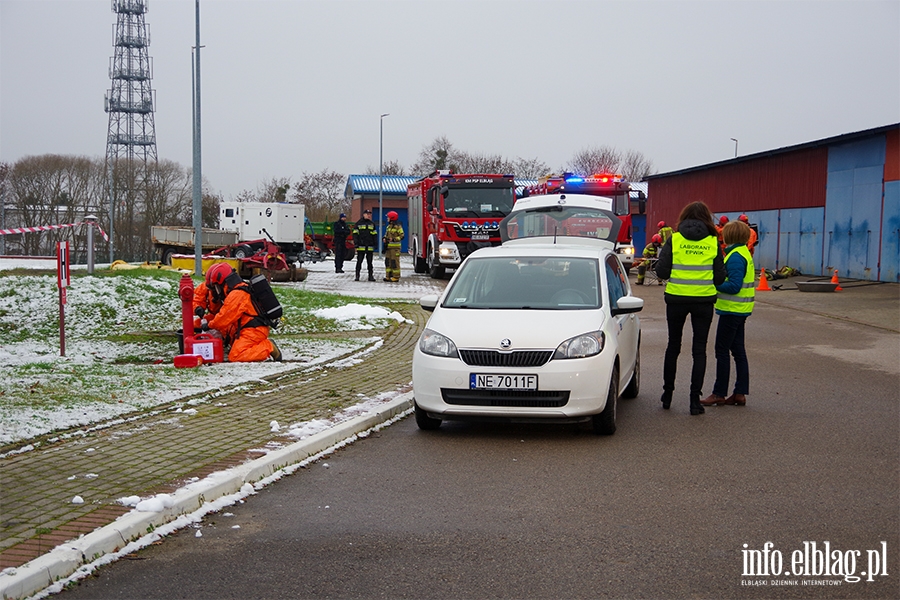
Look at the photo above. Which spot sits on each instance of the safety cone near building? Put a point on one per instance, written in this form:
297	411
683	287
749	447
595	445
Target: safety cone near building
834	279
763	282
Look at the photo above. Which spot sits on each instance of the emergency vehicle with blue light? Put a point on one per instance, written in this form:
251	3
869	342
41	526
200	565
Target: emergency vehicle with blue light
600	184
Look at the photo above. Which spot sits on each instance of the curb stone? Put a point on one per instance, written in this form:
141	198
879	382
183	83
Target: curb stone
66	559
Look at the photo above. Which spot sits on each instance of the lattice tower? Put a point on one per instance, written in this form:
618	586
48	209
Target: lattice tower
131	160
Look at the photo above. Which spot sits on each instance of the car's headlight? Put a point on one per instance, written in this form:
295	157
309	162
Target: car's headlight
628	250
435	344
581	346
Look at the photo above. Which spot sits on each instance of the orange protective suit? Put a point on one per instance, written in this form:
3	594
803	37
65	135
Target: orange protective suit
752	242
204	298
249	342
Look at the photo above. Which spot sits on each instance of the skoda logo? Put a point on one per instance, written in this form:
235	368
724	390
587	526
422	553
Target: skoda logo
505	343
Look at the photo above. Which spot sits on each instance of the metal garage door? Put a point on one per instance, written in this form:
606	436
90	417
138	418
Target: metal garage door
853	202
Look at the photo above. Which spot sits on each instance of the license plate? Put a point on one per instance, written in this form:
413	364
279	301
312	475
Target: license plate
494	381
480	237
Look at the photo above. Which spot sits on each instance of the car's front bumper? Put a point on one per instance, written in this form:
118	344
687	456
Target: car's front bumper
568	390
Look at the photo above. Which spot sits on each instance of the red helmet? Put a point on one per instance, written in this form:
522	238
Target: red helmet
393	216
744	219
723	219
218	273
656	239
661	224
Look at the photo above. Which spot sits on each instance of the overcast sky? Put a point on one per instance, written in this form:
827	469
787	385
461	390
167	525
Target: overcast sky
290	85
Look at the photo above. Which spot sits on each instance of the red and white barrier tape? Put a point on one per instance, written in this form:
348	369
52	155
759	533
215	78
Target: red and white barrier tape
50	227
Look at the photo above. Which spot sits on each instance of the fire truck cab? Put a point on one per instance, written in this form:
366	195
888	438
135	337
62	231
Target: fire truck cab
601	184
451	216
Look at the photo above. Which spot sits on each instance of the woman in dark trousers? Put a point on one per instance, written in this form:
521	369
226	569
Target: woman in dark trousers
692	263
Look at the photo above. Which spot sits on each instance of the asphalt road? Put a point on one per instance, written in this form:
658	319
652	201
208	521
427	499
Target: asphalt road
662	509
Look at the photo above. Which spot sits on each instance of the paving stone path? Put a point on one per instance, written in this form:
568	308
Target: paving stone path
159	450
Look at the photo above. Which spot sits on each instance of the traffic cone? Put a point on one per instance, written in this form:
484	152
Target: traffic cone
834	279
763	282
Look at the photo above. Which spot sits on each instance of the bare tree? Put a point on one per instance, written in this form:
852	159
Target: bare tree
391	167
636	166
482	163
322	194
530	168
273	190
602	159
440	154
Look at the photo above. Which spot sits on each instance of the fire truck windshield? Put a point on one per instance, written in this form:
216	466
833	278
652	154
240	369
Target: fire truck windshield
478	202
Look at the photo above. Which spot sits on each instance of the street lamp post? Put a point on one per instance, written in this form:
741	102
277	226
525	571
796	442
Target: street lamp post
197	183
381	183
735	146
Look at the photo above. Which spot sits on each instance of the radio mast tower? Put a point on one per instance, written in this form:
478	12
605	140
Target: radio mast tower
131	158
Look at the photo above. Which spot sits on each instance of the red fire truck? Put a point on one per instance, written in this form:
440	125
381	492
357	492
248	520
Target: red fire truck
600	184
451	216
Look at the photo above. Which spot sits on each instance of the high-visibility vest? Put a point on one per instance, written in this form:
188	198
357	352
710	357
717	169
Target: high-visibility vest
394	235
692	266
743	301
665	233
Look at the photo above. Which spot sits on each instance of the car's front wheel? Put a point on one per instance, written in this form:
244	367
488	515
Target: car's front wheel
424	421
605	422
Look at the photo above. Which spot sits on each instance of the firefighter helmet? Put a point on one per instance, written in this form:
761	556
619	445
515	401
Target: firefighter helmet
661	224
723	219
744	219
656	239
392	216
218	273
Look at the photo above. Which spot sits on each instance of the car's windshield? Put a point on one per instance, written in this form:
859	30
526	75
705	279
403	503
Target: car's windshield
478	202
548	283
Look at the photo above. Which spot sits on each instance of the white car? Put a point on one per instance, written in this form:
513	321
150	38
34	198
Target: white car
540	329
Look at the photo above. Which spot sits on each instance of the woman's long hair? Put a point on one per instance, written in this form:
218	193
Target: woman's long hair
699	212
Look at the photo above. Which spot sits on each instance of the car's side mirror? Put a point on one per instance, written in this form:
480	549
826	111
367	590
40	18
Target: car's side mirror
429	302
627	304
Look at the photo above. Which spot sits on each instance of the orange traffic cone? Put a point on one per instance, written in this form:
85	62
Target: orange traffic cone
834	279
763	282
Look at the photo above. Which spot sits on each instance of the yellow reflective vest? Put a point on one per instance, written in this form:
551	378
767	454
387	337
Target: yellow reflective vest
394	235
692	266
742	302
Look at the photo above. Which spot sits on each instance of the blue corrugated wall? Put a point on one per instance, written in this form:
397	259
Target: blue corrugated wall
853	203
890	234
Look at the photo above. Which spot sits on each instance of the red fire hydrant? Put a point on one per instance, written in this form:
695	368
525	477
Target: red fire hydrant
201	347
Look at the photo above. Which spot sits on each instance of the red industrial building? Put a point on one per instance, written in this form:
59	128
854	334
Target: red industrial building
819	206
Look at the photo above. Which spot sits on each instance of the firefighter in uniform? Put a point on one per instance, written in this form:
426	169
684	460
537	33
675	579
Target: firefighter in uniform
392	238
650	252
734	305
665	232
751	242
364	238
723	220
238	318
341	232
693	264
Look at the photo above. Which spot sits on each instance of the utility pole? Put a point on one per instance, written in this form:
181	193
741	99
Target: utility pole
131	136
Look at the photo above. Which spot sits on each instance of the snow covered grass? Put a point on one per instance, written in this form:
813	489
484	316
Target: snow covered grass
120	341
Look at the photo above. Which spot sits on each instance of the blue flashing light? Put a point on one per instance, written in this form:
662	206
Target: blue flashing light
575	180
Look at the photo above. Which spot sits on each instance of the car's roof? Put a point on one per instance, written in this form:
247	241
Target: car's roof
531	202
546	246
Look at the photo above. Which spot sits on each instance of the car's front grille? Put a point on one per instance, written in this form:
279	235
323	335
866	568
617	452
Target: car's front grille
517	398
517	358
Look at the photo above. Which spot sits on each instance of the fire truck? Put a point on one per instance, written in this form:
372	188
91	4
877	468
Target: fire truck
451	216
600	184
